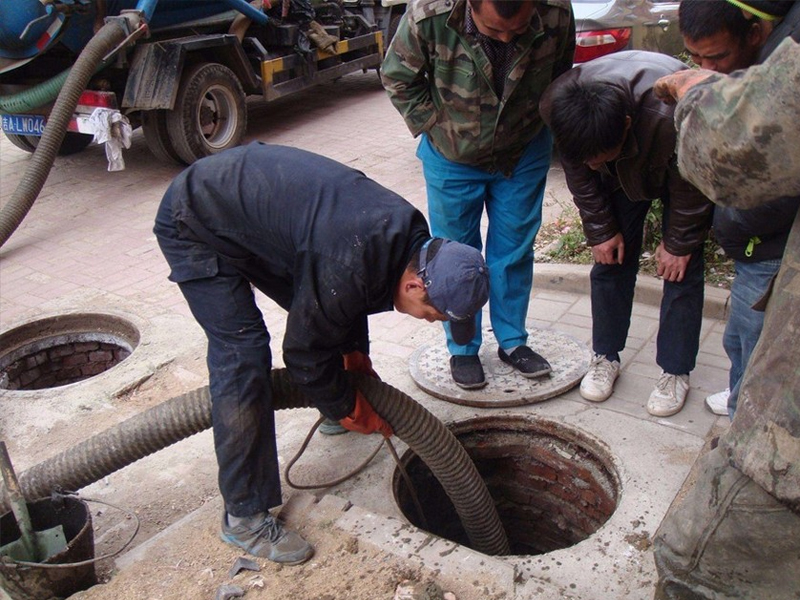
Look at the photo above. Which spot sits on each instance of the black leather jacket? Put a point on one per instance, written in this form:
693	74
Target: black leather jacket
646	168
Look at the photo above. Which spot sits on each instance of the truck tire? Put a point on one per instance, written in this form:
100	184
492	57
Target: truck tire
210	113
154	127
72	144
23	142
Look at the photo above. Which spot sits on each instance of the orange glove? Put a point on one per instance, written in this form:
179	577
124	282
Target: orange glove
360	363
365	420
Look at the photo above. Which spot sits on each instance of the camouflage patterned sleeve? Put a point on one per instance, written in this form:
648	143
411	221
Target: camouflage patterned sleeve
738	136
567	50
404	76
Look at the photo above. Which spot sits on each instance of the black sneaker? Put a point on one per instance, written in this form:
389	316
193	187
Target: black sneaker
467	372
526	361
264	536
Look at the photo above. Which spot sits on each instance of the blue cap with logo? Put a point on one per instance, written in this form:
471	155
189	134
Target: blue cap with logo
457	281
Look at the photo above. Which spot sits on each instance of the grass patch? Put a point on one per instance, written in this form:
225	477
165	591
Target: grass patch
562	241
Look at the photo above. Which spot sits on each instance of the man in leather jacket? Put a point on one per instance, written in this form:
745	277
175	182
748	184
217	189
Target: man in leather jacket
616	142
328	245
724	37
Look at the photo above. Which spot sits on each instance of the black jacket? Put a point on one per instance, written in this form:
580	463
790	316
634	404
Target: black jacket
788	27
770	223
330	249
646	168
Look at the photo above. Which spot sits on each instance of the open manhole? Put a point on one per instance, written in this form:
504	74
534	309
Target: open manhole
64	349
553	486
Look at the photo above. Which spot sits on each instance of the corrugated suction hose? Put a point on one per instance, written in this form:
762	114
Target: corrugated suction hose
12	214
190	413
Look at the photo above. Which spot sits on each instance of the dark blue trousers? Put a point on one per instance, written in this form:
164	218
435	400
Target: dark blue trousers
613	286
239	365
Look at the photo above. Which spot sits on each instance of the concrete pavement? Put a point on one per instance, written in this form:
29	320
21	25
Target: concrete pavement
87	246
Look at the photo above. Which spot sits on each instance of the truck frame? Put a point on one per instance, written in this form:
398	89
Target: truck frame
186	82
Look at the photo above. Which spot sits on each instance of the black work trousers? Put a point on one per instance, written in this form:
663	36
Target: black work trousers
239	364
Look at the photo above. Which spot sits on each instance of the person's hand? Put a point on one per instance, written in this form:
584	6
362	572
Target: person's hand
610	252
365	420
671	88
669	266
359	362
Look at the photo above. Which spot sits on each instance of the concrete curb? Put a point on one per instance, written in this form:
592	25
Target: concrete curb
574	279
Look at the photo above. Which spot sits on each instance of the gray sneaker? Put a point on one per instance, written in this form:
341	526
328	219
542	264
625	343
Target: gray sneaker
331	427
264	536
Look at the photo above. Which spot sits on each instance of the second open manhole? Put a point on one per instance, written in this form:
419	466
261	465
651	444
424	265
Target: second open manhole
553	486
64	349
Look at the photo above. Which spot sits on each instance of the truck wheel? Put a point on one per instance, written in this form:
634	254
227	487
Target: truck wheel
72	144
210	113
154	127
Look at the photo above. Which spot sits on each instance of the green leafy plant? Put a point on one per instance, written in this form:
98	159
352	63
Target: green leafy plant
563	241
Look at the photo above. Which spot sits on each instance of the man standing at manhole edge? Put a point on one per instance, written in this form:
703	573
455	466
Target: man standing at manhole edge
328	245
466	76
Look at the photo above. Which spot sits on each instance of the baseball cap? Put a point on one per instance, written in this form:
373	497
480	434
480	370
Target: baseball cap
457	281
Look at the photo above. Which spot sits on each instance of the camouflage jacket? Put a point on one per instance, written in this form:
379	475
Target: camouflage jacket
440	80
739	142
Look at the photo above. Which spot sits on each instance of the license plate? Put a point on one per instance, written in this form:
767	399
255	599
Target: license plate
24	124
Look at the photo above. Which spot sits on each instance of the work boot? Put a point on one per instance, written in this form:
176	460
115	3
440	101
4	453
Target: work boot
669	396
264	536
467	372
526	361
598	383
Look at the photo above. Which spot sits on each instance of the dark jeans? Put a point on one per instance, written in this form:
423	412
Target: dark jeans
239	365
613	289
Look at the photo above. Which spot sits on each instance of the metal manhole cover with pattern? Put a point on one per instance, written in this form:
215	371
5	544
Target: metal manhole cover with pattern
569	358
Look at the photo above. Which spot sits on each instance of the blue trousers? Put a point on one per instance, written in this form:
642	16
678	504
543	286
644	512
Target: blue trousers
239	364
612	291
744	323
457	196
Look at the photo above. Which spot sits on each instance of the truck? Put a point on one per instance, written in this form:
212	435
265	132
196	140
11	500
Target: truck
185	68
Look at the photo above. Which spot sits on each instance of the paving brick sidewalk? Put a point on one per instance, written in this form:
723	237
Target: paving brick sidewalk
87	245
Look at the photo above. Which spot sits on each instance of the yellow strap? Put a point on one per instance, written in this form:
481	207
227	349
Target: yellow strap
750	9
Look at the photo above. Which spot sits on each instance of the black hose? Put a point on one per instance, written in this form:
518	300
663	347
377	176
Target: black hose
111	35
190	413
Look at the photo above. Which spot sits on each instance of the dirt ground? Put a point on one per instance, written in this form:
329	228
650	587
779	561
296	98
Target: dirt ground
158	491
198	567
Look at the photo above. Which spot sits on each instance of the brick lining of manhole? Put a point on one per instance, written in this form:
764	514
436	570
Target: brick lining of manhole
553	485
570	359
61	350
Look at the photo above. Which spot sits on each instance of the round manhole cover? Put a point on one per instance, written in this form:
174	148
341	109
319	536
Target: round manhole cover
569	358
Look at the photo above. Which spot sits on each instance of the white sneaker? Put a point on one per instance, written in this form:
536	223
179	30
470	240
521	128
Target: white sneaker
598	383
669	396
718	403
